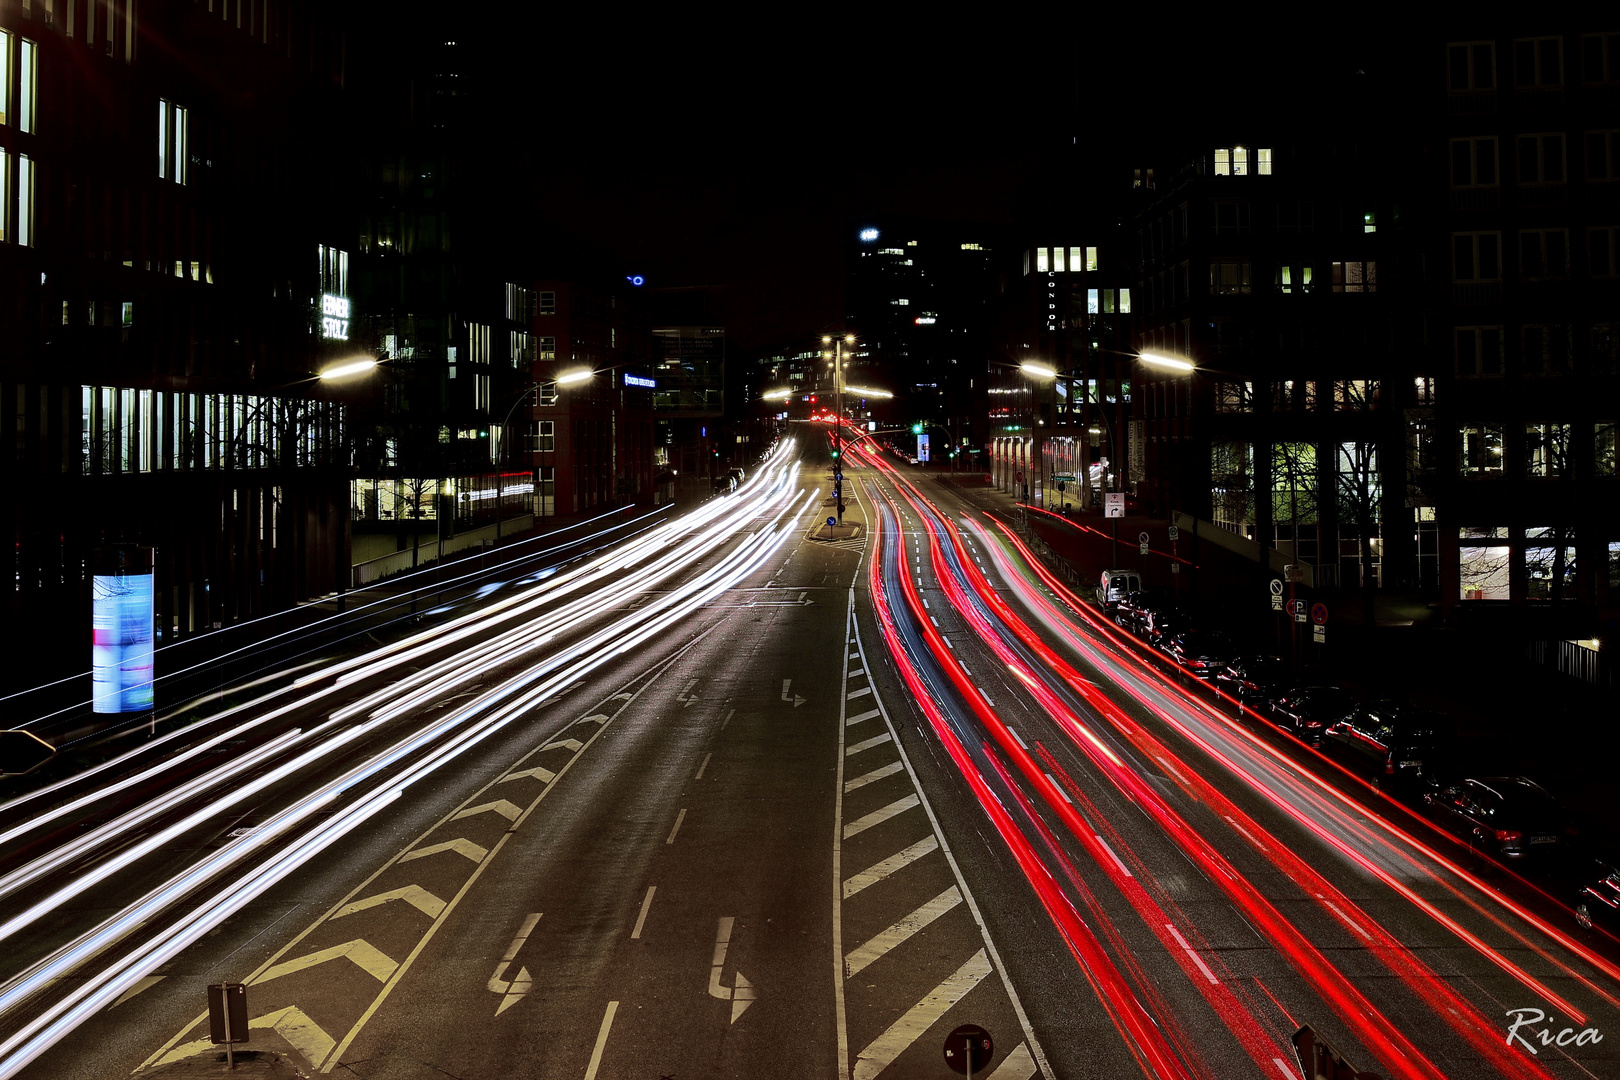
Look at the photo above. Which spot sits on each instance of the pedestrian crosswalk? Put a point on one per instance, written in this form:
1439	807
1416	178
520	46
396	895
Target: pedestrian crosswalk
915	960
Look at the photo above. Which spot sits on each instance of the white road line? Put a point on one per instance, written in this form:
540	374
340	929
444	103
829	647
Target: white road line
1016	737
862	718
872	777
1059	787
727	720
680	817
866	744
1018	1065
877	872
1353	924
1286	1069
934	621
703	766
986	697
925	601
1188	949
601	1041
1245	832
900	932
857	671
878	817
947	642
853	694
903	1032
641	920
1117	860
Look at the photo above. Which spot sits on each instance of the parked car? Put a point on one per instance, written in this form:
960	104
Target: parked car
1134	608
1391	743
1163	624
1255	680
1509	816
1307	711
1597	904
1201	652
1115	585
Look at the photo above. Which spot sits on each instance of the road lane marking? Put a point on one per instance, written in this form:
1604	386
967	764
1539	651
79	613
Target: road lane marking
1188	949
598	718
1245	832
882	1051
680	817
703	766
146	983
743	994
986	697
1019	739
641	920
947	642
571	745
727	720
507	810
901	932
1018	1065
365	956
545	776
925	602
853	694
878	817
877	740
862	718
857	671
301	1033
1117	860
1347	919
1286	1069
414	895
686	697
872	777
1060	790
513	990
601	1040
898	861
460	845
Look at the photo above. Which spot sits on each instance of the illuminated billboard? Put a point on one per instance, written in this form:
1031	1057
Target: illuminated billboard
122	620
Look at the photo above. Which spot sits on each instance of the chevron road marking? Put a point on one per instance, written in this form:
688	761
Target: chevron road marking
545	776
862	692
366	957
571	745
862	718
414	895
898	861
903	1032
300	1032
598	718
507	810
873	777
867	744
460	845
878	817
901	931
1020	1065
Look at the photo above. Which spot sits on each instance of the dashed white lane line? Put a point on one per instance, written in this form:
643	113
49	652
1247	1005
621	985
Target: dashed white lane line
872	777
986	697
601	1040
680	817
1117	860
900	932
703	766
1188	949
1017	737
878	817
1059	787
641	920
877	872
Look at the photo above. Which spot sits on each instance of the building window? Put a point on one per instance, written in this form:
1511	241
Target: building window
1600	156
1600	252
5	76
1604	442
1234	161
519	303
1472	65
172	125
1229	277
1355	277
1546	450
27	84
1231	217
1479	350
1483	568
1262	157
545	436
1356	395
1234	397
1538	62
1605	355
1423	390
1543	254
25	201
1481	450
1600	62
548	303
547	348
1292	279
1541	159
1043	260
1473	162
1476	257
1546	350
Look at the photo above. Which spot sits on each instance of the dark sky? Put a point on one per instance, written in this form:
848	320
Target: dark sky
701	150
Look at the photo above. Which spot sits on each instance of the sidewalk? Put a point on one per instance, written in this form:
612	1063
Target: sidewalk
1510	717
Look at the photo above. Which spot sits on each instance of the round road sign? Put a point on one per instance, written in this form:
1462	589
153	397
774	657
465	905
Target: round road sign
1319	614
968	1049
1143	538
1276	587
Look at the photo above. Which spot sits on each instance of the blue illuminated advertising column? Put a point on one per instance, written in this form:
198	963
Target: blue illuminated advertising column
122	620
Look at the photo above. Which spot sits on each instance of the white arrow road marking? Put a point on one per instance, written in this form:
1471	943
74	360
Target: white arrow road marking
365	956
571	745
460	845
521	984
545	776
686	697
414	895
904	1031
796	699
301	1033
901	931
507	810
743	994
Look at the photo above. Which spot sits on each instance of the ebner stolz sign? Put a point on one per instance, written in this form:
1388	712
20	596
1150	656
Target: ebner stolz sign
335	317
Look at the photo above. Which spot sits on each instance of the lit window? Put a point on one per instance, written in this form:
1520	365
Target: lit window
1479	350
1263	161
25	200
27	83
5	193
1091	302
1355	277
548	303
1481	450
1546	450
1356	395
1125	301
1043	260
1240	161
1229	277
5	75
1604	445
1058	263
972	247
901	303
1423	390
1077	259
1091	258
171	142
545	438
1223	162
1291	279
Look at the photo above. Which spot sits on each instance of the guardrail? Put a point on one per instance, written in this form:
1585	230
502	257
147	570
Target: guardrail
371	570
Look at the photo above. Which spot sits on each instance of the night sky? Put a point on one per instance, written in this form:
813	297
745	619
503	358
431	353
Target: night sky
699	150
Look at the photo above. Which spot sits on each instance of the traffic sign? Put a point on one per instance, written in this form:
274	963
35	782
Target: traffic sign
1276	587
1144	548
1114	504
967	1048
22	751
1299	610
832	521
1142	539
1063	477
1319	634
1175	533
227	1013
1319	614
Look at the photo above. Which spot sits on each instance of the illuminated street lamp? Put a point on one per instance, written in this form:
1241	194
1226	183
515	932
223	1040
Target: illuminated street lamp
837	357
344	369
1172	363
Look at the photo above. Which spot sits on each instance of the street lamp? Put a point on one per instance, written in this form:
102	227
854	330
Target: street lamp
837	357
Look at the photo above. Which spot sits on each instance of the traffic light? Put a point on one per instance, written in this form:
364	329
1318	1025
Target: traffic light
835	453
916	429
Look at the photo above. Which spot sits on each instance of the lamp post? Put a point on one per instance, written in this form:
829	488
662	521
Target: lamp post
837	357
503	442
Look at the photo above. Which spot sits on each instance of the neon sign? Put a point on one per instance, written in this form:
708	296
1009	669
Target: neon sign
335	317
639	380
